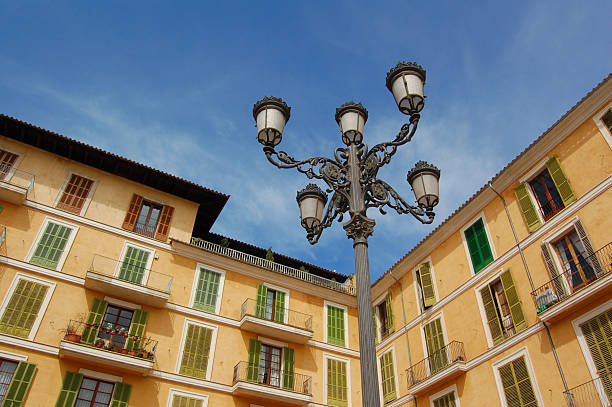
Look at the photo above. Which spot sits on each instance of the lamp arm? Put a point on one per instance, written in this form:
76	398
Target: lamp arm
335	209
379	194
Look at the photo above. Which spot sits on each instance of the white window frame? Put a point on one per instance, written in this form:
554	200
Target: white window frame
198	271
557	234
126	244
439	315
14	357
89	194
348	376
176	392
43	305
121	303
74	230
584	347
336	305
93	374
287	296
376	304
500	388
483	315
418	288
20	156
481	215
379	364
597	118
450	389
213	344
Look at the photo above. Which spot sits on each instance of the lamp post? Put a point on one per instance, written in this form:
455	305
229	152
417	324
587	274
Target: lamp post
351	175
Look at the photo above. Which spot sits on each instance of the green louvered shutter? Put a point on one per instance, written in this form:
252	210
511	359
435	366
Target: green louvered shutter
518	388
137	328
134	265
23	307
375	325
427	287
337	390
483	243
184	401
196	351
207	290
561	182
94	319
436	351
279	307
121	395
598	335
51	245
478	245
254	354
529	210
260	306
70	388
288	369
20	384
516	310
387	374
389	308
448	400
335	325
492	318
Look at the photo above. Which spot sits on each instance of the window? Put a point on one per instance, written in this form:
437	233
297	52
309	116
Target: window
478	245
516	383
551	191
148	218
387	374
337	383
75	194
7	369
425	284
15	381
51	247
135	264
21	313
384	312
502	308
597	333
271	365
436	346
575	262
447	400
195	360
336	325
185	399
80	391
607	119
7	161
208	286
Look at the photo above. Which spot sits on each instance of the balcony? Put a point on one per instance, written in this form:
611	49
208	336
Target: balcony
271	385
440	367
292	326
109	348
15	185
129	281
596	393
585	281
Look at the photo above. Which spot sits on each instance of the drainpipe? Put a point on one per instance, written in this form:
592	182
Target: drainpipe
552	345
405	330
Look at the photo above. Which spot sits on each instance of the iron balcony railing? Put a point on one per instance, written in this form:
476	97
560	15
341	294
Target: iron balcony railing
269	377
270	265
595	393
581	274
436	362
284	316
15	177
132	273
112	339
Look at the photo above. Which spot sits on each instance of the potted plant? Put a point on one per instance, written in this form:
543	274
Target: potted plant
71	334
99	343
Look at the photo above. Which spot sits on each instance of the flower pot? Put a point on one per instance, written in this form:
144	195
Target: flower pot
72	337
124	351
133	353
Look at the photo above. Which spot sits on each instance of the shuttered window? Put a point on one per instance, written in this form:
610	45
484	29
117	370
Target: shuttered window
478	245
15	381
527	206
387	374
75	194
518	388
607	119
23	307
448	400
196	351
184	401
207	290
270	304
426	284
7	160
335	325
134	263
88	392
337	389
51	245
436	350
148	218
598	335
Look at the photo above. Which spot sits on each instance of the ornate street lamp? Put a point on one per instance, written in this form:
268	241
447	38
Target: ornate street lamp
351	177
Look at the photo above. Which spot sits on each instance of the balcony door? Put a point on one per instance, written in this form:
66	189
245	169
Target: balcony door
576	264
270	365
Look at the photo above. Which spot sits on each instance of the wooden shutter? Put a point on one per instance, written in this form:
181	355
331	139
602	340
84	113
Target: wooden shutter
51	245
207	290
183	401
196	351
436	351
529	210
260	306
121	395
586	242
598	335
335	325
552	270
561	182
288	368
137	328
389	309
483	243
517	384
447	400
132	213
254	354
279	307
427	286
478	245
20	384
514	302
470	237
93	321
163	226
70	388
492	317
134	265
375	325
75	194
387	374
23	307
337	390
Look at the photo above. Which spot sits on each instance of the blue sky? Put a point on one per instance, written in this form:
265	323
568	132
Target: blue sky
173	85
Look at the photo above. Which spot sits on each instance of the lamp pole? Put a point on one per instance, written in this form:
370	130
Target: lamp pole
352	177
